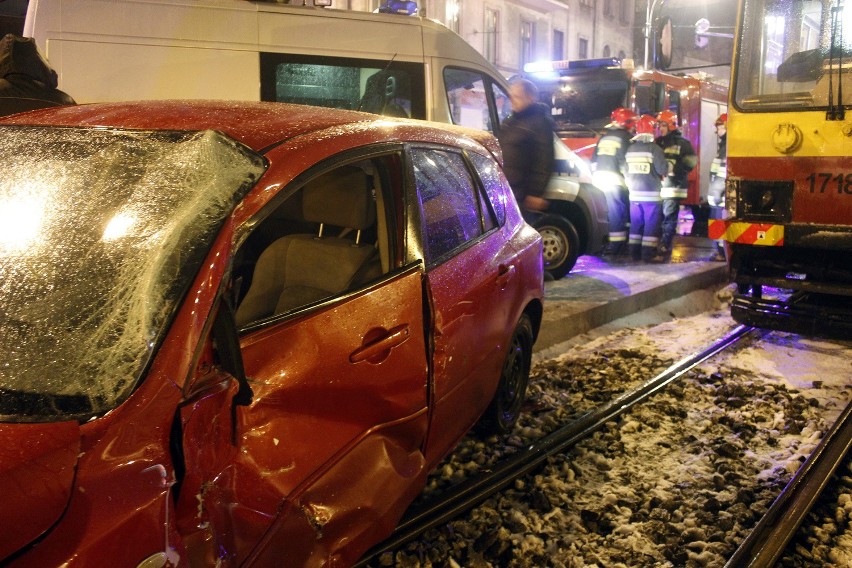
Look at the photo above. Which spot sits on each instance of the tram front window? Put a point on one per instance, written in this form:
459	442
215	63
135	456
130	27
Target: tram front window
786	58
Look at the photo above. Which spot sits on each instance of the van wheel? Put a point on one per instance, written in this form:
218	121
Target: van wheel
502	414
560	244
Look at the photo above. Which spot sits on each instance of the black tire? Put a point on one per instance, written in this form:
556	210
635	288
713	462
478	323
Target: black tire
505	408
560	244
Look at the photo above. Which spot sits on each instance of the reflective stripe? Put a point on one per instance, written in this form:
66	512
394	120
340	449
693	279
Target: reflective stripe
673	193
618	237
761	234
645	196
605	180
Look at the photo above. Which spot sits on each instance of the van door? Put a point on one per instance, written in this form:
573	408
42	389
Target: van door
475	99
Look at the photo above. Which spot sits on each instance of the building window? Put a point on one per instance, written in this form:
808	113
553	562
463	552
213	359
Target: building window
606	52
624	11
453	14
527	42
492	24
558	45
583	48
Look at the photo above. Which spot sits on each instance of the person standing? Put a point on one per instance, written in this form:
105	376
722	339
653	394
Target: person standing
608	166
27	82
718	174
682	159
526	138
646	167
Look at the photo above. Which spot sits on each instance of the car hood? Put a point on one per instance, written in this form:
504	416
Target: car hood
37	466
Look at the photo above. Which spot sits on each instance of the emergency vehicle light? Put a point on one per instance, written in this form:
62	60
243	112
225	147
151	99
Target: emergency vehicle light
406	8
548	66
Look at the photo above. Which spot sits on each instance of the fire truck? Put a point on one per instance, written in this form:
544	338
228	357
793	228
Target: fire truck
582	94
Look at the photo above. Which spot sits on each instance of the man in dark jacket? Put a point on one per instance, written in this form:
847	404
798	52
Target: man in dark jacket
526	138
26	80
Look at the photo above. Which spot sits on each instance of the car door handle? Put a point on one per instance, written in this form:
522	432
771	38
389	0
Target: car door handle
375	350
504	274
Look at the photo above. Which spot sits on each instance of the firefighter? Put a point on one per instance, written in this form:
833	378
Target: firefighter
646	167
718	174
608	175
682	159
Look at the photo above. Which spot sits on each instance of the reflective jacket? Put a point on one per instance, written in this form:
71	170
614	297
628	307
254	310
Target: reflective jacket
646	167
682	159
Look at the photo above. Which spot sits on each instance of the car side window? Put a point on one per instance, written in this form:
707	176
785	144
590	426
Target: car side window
495	184
332	235
450	203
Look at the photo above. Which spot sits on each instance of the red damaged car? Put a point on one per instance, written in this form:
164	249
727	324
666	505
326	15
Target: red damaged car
243	334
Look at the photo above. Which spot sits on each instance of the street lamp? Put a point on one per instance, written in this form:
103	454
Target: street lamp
649	26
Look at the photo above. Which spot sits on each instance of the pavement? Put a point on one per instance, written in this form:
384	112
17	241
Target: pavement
600	290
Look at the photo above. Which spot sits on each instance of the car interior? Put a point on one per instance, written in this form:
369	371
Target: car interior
327	238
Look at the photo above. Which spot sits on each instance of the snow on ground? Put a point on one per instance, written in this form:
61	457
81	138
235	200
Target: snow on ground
676	482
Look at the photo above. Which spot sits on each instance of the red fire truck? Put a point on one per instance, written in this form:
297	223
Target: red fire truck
583	93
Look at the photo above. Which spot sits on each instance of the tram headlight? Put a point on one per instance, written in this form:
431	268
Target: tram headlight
763	200
731	197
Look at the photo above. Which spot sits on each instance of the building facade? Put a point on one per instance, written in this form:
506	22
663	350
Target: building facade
511	33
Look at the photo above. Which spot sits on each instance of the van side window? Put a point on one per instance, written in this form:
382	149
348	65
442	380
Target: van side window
449	202
470	95
380	87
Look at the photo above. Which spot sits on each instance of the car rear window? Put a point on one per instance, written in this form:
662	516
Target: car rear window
101	232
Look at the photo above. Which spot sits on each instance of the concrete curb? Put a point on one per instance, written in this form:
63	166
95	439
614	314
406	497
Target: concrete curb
564	320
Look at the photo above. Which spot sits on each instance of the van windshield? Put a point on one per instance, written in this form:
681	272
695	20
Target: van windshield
389	88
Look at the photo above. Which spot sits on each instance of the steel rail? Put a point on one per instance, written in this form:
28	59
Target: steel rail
769	538
467	494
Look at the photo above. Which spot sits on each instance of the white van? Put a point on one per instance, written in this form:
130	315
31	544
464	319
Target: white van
114	50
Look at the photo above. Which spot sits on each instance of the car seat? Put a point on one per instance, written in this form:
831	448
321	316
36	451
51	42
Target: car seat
299	269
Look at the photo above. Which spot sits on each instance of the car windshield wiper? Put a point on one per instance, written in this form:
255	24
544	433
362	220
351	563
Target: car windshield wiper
836	112
23	403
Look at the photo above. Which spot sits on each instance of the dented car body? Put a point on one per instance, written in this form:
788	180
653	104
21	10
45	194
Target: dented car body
243	334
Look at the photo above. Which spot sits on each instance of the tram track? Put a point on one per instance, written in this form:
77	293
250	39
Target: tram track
768	540
469	493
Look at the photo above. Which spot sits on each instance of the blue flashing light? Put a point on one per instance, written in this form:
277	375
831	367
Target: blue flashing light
406	8
594	63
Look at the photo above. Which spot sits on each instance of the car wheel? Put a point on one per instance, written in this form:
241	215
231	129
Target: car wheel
502	414
560	244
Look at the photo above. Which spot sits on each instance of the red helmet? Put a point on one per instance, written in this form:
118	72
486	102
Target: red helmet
623	117
646	124
723	119
668	118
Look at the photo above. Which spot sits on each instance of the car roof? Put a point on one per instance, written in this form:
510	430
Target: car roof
258	125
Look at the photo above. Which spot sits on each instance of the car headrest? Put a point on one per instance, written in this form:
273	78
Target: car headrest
341	197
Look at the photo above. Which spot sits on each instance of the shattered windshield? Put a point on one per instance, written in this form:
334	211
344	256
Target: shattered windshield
101	232
794	54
